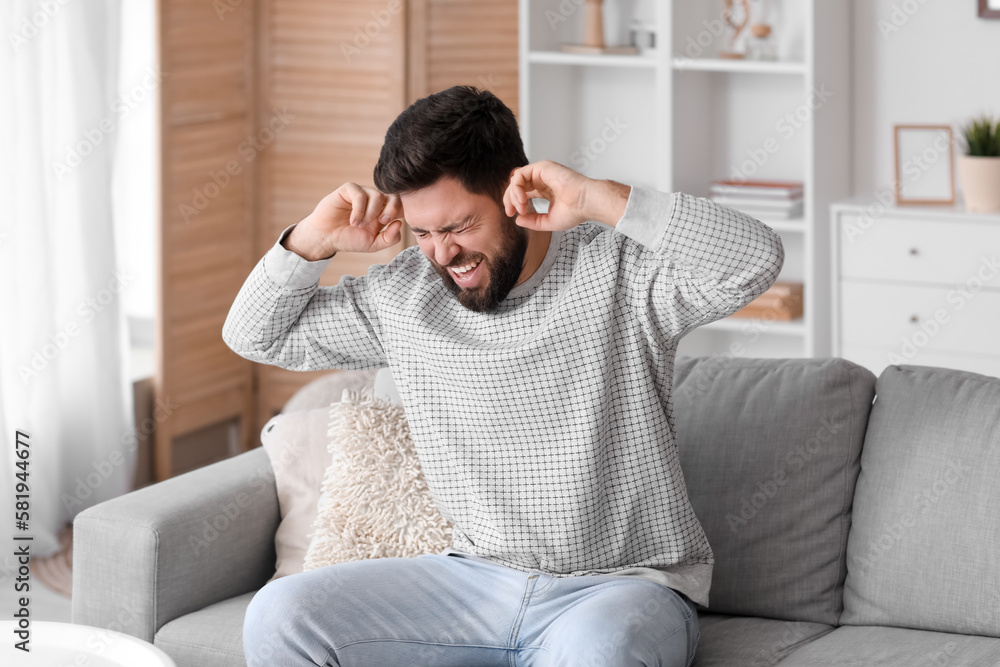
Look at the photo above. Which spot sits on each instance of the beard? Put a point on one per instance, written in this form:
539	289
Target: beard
504	269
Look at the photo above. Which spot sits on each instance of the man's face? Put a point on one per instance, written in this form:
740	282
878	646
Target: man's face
476	249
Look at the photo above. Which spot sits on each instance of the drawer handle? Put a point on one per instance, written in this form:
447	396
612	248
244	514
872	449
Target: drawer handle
914	319
914	251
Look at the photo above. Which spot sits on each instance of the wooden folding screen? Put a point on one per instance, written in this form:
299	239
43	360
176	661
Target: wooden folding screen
206	241
267	106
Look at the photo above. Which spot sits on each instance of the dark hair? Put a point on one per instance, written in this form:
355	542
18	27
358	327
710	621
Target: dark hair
462	132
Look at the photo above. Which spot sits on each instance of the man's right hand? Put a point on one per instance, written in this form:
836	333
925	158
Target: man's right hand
352	218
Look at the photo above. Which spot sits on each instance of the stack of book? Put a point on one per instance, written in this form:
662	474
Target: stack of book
783	301
774	200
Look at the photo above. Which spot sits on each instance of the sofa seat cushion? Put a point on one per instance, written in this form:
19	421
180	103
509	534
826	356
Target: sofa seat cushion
770	451
209	636
875	646
739	641
923	547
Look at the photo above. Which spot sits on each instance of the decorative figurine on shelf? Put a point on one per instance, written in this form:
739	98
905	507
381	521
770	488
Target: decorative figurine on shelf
736	26
593	41
760	44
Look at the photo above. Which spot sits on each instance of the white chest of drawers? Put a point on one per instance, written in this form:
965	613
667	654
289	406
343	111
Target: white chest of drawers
916	285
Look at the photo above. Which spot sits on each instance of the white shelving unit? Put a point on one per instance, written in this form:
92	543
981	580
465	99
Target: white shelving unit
678	117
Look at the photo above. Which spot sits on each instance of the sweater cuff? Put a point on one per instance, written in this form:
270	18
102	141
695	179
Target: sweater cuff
290	270
647	215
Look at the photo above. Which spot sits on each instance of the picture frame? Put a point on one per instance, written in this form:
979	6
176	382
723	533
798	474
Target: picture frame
989	9
924	159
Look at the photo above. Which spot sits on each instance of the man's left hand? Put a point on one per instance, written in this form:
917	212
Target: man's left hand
573	198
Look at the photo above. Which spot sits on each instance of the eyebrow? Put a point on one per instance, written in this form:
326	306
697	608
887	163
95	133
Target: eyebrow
450	228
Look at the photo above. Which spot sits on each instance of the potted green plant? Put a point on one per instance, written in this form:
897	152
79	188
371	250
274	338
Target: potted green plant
979	168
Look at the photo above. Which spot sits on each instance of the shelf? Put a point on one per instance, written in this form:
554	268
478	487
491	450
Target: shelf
738	66
740	324
691	117
650	61
794	225
560	58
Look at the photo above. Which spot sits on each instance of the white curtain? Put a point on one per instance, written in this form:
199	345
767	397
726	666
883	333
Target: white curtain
63	337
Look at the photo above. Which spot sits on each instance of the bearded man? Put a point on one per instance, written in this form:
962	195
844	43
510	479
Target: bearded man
534	354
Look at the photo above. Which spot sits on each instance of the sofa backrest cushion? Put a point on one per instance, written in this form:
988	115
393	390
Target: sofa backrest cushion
770	450
924	550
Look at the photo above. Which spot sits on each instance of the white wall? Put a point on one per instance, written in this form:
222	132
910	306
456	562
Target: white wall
941	66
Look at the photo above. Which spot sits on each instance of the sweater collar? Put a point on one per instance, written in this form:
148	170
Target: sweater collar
536	278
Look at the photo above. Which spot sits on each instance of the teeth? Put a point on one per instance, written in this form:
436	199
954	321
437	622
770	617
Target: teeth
467	268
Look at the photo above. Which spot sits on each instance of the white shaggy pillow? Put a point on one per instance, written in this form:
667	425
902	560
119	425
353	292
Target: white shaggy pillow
375	502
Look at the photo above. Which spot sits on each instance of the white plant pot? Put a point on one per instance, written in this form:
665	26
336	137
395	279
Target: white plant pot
980	178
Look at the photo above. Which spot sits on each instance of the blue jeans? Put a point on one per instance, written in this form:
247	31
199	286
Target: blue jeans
441	611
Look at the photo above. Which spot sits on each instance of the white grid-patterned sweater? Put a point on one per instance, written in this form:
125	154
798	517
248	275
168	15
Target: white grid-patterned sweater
544	429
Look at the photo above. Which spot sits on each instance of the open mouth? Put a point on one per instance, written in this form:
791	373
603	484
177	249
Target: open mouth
466	275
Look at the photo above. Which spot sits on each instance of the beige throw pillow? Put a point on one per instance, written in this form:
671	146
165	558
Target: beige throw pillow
375	502
296	444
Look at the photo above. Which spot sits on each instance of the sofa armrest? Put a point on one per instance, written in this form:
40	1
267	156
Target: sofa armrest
155	554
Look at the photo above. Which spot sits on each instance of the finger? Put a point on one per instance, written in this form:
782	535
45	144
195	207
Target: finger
510	200
373	209
508	207
390	235
531	220
516	190
393	209
358	198
533	186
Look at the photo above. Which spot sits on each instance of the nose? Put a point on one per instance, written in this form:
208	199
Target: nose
445	250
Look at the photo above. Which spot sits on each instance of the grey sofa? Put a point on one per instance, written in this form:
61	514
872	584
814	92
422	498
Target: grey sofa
845	532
